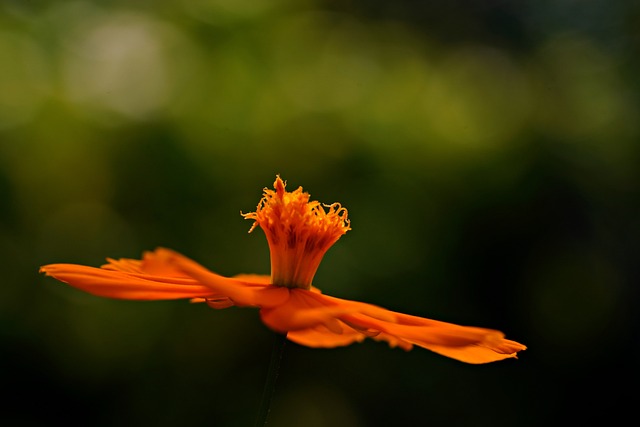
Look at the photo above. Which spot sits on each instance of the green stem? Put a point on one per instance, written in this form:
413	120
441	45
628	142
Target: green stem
272	376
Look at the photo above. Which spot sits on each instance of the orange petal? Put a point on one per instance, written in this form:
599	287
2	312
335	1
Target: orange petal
153	277
482	352
321	336
317	320
303	310
245	293
467	344
123	285
259	279
155	263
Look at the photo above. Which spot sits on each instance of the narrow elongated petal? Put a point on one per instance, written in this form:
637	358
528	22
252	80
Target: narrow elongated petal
316	320
464	343
243	293
322	337
123	285
162	275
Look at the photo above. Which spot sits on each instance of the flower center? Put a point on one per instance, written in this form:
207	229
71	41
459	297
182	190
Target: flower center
299	232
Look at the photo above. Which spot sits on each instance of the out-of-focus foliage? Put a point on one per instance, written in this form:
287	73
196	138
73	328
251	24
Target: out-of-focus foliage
488	153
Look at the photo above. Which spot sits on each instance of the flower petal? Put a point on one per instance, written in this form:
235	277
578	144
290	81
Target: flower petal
122	285
165	274
153	262
321	336
258	279
310	318
244	293
482	352
303	311
467	344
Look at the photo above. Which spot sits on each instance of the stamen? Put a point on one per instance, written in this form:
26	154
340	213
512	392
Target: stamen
299	232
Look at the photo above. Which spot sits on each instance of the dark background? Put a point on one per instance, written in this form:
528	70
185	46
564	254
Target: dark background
487	151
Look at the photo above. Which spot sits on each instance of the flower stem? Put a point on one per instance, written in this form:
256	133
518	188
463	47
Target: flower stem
270	384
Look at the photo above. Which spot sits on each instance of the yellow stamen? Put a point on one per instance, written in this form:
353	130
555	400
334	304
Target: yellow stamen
299	232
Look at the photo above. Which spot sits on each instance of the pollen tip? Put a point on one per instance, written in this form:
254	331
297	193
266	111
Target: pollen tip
279	185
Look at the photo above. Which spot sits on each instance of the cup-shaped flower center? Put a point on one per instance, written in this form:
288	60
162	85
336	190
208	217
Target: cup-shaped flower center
299	232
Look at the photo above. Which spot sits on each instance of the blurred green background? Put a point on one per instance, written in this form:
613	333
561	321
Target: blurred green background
488	153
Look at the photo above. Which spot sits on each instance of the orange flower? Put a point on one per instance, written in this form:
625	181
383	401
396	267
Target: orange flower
299	233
